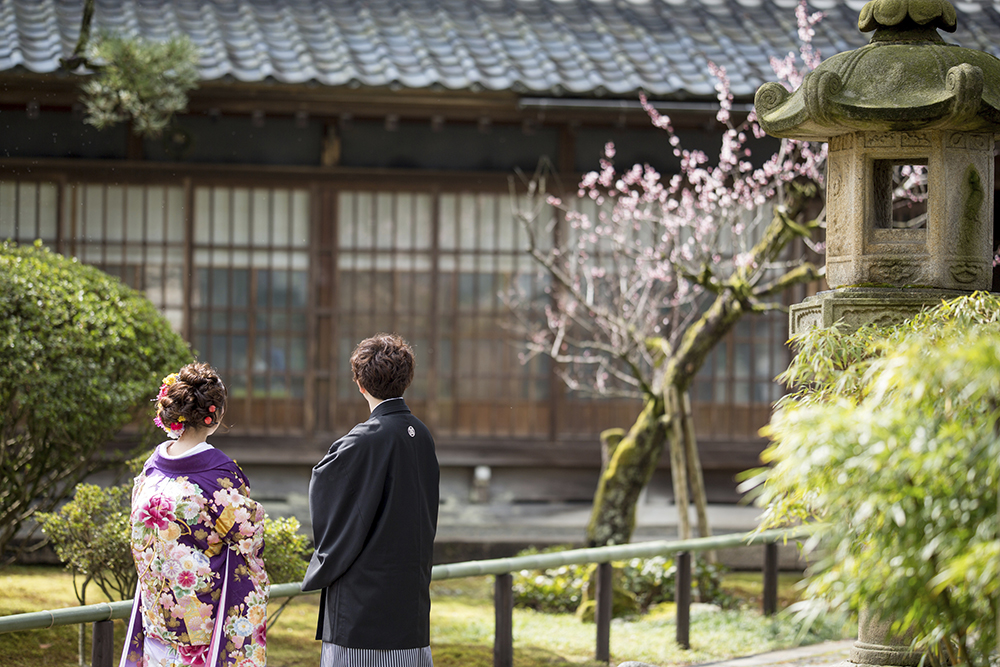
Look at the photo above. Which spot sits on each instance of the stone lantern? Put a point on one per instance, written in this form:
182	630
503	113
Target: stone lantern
907	99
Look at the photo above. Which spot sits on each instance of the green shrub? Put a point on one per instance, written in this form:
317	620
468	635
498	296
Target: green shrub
888	443
652	580
90	536
286	550
556	590
80	356
649	580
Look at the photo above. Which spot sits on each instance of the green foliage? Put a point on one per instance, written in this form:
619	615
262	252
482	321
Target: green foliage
79	354
139	80
890	444
90	536
653	580
650	580
286	550
556	590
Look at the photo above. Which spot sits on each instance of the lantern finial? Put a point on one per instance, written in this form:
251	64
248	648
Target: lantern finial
907	20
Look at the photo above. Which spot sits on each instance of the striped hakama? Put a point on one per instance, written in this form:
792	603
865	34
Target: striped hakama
340	656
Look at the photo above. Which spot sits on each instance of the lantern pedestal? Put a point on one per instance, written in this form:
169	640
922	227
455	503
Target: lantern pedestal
875	647
855	307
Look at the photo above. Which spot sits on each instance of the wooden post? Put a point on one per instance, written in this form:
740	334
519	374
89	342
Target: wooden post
503	638
678	466
683	596
602	614
103	648
770	601
696	478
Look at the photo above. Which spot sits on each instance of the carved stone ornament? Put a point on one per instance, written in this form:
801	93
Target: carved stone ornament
893	272
915	140
881	140
966	273
965	82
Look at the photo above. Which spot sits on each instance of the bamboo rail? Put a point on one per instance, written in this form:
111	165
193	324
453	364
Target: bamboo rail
102	614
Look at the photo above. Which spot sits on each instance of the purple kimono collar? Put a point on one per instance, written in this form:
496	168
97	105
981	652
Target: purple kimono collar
204	461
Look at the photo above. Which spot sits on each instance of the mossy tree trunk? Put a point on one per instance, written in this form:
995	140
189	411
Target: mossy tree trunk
630	465
665	415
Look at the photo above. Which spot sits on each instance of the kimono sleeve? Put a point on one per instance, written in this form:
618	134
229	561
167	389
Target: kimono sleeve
239	520
344	496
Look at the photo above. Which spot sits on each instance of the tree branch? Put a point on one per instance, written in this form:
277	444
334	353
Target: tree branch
804	273
704	278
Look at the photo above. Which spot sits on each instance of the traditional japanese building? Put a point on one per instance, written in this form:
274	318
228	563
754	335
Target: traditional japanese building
344	168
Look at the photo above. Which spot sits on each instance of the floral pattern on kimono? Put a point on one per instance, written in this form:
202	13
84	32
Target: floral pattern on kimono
197	541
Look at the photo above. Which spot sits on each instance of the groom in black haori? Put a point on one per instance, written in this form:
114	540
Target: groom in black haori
374	505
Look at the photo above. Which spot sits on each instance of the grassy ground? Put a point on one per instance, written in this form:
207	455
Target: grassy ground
461	628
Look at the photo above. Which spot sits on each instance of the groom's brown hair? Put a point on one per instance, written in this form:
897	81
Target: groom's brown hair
383	365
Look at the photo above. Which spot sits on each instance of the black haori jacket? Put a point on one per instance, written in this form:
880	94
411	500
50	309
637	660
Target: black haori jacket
374	505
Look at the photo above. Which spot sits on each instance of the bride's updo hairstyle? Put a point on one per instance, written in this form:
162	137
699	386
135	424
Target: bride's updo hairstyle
194	396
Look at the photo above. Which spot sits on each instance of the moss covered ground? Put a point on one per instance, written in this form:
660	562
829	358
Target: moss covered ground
461	628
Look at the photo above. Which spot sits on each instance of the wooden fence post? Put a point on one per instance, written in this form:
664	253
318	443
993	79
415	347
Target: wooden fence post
770	597
103	648
503	637
683	596
602	613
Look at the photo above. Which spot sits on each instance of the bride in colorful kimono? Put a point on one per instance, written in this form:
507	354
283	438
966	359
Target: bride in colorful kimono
197	540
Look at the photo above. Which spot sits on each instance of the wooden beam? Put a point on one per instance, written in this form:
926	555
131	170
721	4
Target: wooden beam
17	89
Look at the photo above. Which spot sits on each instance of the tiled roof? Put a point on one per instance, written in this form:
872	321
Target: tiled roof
554	47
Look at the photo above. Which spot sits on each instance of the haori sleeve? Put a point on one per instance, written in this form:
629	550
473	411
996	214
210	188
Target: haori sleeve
344	497
239	520
241	624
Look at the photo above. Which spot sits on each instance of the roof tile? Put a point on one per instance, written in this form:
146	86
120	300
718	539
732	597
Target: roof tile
583	47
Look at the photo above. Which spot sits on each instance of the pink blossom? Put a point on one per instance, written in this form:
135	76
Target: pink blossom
636	236
260	635
196	656
157	513
223	497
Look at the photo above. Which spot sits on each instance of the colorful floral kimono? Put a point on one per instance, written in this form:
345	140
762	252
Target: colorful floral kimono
197	541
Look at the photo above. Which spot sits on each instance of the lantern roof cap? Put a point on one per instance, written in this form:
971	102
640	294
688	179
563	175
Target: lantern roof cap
907	18
906	78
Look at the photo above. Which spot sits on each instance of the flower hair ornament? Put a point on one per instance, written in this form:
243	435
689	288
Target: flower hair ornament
175	429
